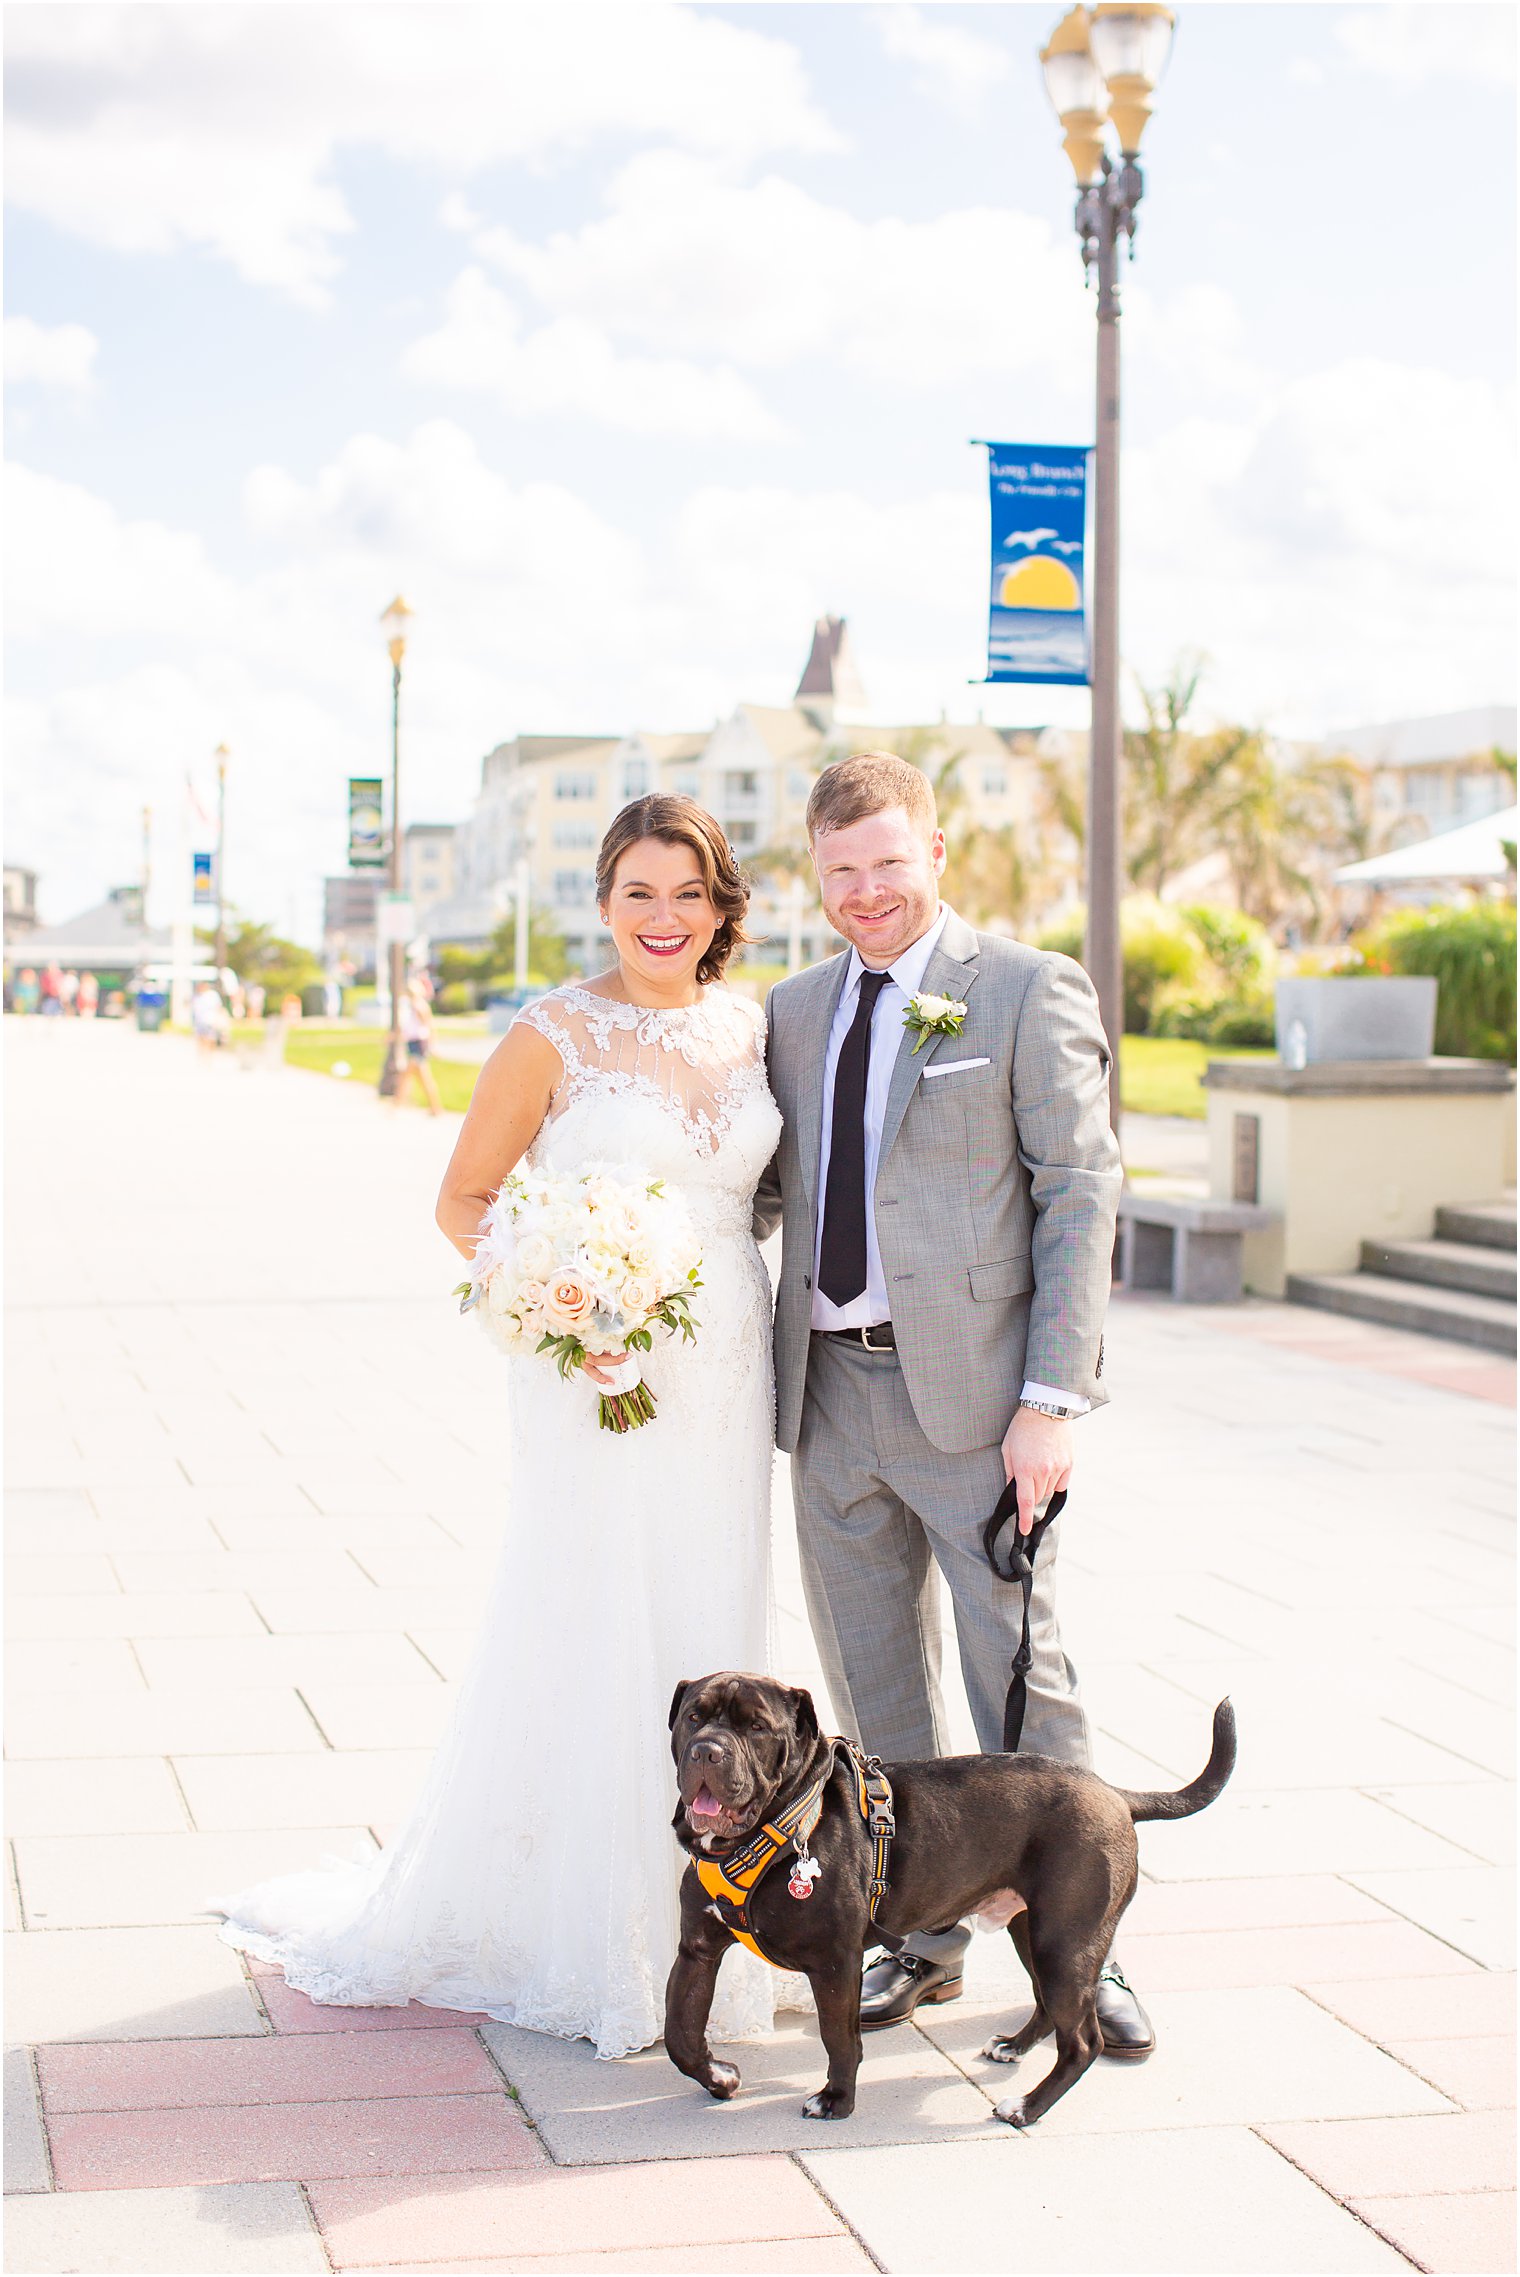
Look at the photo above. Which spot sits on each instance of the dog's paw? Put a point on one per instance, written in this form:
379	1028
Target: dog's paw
828	2103
1002	2048
721	2082
1011	2112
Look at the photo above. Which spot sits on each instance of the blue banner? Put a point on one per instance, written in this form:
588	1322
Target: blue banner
203	889
1037	629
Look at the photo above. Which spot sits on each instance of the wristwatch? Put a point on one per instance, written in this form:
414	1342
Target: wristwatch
1049	1407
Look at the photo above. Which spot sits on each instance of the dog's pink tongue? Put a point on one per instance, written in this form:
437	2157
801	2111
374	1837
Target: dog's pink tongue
704	1805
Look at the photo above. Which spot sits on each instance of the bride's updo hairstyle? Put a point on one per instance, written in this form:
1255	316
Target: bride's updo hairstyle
681	822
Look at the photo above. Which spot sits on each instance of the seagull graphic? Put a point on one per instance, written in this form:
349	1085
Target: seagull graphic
1067	545
1026	537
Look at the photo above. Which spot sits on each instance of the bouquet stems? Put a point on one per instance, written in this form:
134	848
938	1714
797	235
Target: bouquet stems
625	1411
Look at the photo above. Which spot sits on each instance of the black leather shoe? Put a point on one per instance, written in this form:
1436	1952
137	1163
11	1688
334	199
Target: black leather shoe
893	1987
1127	2030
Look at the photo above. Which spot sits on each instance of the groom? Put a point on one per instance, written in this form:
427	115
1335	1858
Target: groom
948	1231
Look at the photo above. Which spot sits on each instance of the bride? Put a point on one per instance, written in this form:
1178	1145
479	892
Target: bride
536	1878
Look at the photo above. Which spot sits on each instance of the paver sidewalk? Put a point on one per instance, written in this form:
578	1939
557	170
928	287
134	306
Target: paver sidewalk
253	1483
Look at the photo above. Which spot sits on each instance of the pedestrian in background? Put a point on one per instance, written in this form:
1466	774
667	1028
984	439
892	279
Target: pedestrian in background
50	992
416	1022
209	1019
24	994
87	1003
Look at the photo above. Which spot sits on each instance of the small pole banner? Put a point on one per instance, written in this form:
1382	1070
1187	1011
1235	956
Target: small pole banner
203	882
1037	629
366	825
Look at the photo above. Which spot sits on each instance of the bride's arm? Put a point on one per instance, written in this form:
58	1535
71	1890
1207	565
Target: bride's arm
512	1095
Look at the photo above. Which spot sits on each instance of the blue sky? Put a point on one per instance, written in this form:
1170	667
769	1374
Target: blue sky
625	340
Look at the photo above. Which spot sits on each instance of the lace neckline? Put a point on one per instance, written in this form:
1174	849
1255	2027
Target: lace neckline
633	1015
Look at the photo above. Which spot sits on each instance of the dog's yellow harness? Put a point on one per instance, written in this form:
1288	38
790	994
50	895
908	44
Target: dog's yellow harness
731	1883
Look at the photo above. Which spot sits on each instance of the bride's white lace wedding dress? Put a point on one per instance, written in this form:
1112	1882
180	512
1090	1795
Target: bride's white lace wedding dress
536	1878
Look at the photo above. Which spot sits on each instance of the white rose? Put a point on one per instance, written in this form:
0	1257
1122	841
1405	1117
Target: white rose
637	1297
535	1256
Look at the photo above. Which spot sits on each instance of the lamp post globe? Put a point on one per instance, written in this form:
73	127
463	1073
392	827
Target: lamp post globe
1101	67
394	622
1130	41
1077	93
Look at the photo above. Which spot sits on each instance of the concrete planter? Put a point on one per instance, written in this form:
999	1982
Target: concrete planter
1356	1019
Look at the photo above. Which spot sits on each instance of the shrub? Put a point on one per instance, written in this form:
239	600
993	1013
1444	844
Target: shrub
1163	957
1239	948
455	996
1248	1023
1470	953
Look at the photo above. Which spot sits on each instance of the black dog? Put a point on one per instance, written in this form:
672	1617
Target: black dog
1047	1847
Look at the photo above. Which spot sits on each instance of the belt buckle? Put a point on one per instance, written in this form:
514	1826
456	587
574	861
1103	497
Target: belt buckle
866	1333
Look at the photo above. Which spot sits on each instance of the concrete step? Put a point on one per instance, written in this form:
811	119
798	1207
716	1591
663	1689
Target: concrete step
1469	1265
1452	1313
1489	1225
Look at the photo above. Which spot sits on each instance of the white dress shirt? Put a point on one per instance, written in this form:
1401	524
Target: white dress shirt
905	979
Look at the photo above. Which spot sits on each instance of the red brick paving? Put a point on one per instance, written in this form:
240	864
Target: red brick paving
1363	2158
290	2142
1461	2234
574	2210
332	2067
290	2011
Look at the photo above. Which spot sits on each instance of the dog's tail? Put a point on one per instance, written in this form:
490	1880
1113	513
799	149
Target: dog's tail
1204	1788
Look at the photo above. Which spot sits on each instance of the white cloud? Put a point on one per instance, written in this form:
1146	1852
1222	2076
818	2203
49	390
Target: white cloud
1341	551
766	275
1337	544
152	128
1419	41
569	369
948	57
49	355
73	567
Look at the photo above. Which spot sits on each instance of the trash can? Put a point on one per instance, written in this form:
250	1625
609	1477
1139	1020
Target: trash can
152	1009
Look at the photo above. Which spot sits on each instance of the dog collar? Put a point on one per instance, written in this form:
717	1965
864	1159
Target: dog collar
731	1883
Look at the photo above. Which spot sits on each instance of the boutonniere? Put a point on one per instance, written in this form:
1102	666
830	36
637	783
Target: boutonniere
933	1016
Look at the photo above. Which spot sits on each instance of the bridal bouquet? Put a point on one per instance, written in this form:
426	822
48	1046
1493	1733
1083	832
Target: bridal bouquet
590	1263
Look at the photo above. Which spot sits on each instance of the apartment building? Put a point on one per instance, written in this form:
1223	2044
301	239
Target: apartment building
545	801
1439	770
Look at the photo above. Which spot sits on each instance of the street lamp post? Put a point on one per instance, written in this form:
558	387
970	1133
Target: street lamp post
393	624
222	757
1101	67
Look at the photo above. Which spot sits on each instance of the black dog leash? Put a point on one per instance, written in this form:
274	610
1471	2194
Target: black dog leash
1018	1566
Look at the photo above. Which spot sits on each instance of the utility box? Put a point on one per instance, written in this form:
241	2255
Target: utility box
1355	1019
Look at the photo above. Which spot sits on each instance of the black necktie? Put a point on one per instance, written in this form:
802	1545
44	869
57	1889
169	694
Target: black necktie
842	1251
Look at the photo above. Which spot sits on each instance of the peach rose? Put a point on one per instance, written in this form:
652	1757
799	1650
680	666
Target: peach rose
568	1305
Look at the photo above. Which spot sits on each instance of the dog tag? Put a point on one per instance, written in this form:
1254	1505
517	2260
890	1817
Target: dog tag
804	1874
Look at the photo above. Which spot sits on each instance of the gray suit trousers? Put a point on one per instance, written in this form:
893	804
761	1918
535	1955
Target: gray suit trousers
881	1514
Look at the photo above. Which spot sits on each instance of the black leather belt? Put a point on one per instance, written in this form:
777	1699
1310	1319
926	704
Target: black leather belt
876	1337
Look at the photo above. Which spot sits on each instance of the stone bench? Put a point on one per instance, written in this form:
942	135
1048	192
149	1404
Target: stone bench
1192	1247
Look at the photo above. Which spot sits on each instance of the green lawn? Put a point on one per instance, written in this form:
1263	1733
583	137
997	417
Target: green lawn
362	1051
1163	1075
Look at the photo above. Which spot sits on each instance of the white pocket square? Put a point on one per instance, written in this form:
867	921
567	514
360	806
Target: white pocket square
954	1066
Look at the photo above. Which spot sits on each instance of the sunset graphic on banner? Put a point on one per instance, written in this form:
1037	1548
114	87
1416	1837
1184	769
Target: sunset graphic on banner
1037	629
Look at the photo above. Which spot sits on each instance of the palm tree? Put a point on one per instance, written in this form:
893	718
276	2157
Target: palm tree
1171	779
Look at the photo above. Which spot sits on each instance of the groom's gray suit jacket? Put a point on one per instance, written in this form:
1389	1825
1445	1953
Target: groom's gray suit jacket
996	1191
